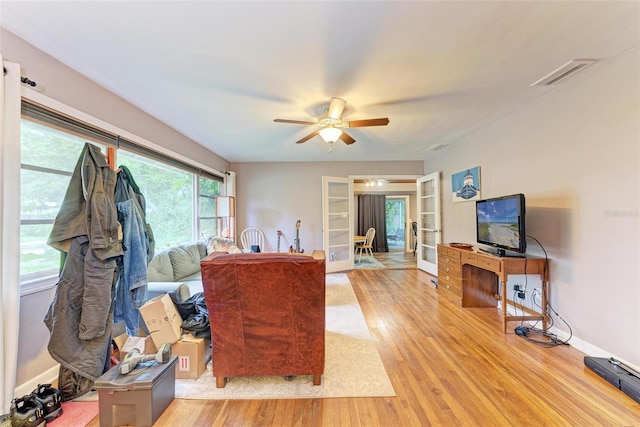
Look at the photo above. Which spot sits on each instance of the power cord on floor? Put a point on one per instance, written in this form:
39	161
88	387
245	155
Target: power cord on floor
531	333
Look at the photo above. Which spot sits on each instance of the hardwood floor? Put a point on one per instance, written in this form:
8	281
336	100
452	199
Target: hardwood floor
397	259
448	365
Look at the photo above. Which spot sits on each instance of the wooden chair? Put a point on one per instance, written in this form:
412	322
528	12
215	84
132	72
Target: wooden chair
368	244
252	237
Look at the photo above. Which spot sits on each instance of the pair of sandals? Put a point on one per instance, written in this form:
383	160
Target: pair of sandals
43	405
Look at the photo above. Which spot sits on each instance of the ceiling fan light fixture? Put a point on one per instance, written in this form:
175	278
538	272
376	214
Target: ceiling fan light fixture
330	134
329	125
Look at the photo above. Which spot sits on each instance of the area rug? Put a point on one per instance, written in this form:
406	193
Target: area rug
352	365
76	414
368	262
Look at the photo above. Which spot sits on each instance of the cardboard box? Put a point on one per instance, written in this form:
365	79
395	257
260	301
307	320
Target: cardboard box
120	340
191	352
118	343
144	344
162	320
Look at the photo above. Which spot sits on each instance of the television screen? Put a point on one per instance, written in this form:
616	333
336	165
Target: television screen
500	223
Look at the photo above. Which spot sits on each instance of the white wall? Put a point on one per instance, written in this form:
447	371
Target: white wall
273	196
575	154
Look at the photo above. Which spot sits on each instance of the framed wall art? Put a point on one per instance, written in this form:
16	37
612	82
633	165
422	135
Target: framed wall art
465	185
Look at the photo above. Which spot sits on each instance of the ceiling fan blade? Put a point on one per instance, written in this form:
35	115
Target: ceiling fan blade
335	108
306	138
347	139
297	122
367	122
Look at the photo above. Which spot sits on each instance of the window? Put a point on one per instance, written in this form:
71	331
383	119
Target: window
48	158
180	198
169	195
208	189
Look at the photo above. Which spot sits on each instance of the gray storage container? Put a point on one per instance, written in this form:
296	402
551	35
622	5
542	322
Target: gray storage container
138	398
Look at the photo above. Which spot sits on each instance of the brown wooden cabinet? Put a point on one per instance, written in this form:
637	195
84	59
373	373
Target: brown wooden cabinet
477	279
449	272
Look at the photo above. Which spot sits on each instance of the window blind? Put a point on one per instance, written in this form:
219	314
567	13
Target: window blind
69	124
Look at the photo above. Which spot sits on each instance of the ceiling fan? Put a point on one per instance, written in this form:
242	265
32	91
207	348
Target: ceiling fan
330	124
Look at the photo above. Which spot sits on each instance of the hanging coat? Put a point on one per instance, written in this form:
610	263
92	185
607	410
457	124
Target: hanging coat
138	247
80	316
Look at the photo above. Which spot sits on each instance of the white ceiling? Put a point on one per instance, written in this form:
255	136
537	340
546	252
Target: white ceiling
220	72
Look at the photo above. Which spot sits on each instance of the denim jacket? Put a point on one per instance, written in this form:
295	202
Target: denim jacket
131	288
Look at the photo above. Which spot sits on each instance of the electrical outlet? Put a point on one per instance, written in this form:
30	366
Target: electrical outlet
537	296
516	287
521	294
332	256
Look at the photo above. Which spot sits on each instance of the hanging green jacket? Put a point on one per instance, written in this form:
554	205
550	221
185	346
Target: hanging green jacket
88	208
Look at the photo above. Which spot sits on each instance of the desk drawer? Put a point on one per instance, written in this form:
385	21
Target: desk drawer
452	286
447	260
491	264
453	253
442	250
451	279
469	258
452	269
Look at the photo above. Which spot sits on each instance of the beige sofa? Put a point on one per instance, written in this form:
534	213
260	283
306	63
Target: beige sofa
177	269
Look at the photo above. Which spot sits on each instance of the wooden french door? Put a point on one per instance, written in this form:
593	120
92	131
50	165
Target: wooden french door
429	234
337	223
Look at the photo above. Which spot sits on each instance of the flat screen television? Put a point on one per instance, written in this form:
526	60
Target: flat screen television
500	224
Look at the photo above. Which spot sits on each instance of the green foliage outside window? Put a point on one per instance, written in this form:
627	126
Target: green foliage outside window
208	190
395	214
169	194
48	158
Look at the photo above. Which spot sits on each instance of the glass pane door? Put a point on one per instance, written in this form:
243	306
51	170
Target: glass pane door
338	227
428	222
396	219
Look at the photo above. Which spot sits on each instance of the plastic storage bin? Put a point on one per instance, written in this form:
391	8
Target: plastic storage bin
138	398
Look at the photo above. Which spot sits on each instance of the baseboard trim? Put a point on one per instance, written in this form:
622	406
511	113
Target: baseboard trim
580	344
50	376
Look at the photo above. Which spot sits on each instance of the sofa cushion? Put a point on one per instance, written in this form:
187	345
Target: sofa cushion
180	290
202	248
160	268
185	260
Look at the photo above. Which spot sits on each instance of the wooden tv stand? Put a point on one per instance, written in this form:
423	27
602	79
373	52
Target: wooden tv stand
474	279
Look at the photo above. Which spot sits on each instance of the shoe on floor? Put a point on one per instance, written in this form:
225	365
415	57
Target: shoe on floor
26	411
50	399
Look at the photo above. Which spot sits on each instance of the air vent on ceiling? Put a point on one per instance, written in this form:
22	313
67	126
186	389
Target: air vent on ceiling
436	147
568	69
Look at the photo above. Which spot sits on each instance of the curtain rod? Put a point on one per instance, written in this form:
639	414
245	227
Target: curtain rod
24	80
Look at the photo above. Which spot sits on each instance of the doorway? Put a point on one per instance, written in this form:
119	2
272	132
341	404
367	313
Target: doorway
397	218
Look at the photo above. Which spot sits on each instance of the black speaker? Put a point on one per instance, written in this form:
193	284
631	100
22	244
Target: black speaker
616	373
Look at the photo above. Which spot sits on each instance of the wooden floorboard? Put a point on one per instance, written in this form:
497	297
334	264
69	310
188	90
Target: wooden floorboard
449	366
397	259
